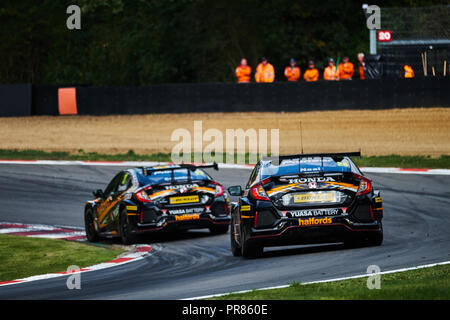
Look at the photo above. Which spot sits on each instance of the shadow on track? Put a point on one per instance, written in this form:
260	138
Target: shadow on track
163	237
301	250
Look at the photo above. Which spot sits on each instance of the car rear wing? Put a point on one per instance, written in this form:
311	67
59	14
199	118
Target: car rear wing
320	155
147	170
279	159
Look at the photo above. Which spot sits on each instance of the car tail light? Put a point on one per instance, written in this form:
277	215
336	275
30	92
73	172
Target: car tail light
142	195
365	186
258	192
219	189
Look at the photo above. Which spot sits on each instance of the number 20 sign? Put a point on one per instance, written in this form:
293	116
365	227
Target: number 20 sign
384	36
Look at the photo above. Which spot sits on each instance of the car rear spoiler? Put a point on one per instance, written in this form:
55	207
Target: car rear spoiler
146	170
279	159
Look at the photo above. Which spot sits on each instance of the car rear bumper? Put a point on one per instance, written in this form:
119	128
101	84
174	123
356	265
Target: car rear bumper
169	223
296	234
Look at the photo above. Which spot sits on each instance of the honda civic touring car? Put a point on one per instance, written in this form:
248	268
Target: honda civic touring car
158	198
305	199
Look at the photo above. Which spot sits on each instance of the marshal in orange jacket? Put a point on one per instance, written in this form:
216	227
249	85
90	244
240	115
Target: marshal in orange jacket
346	70
243	74
292	74
330	73
265	73
311	75
409	72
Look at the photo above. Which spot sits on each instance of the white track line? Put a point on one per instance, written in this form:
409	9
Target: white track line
322	281
141	252
221	165
57	235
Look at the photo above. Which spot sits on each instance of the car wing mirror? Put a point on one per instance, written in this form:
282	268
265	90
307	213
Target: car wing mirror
98	193
235	191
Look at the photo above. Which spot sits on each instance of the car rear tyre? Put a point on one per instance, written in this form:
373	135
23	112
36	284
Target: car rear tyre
376	240
90	225
220	229
236	250
250	250
125	229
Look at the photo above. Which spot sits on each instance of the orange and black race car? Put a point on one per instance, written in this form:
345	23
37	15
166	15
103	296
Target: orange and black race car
149	199
305	199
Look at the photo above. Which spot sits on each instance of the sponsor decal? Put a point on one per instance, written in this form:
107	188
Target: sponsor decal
309	180
314	213
155	173
344	212
186	199
182	186
314	221
185	217
378	199
245	208
131	207
315	197
187	210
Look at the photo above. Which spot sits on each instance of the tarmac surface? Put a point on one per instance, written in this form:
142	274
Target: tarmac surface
190	264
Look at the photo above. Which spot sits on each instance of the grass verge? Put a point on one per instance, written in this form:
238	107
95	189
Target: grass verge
368	161
423	284
24	256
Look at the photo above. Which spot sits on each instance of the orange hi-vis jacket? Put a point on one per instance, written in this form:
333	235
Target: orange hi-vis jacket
409	72
292	74
362	76
311	75
243	74
265	73
330	73
346	70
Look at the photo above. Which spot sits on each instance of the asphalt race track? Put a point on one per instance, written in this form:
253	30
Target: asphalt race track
416	225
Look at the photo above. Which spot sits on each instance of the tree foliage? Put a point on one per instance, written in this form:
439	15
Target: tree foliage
141	42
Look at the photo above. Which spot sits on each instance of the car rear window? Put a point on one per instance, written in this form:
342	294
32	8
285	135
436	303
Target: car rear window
309	165
165	176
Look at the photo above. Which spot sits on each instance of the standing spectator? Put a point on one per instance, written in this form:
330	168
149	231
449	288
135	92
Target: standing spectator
409	72
292	72
311	74
331	73
243	72
264	72
362	66
346	69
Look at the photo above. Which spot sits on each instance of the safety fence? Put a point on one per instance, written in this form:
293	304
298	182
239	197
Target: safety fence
26	100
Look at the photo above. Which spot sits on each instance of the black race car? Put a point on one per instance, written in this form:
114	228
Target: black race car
148	199
305	199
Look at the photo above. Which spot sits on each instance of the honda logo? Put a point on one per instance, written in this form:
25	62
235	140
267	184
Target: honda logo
312	185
